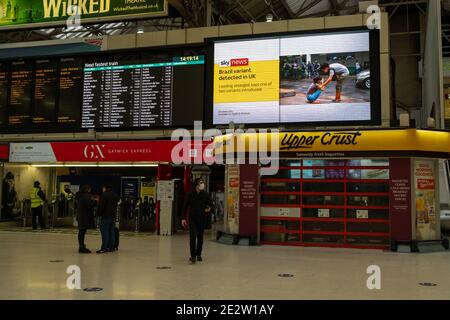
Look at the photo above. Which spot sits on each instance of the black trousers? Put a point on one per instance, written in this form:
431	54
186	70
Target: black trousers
196	230
37	213
81	236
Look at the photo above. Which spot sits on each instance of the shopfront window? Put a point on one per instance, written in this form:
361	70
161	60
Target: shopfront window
341	202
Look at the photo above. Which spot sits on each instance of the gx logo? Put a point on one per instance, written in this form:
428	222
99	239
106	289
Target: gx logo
94	151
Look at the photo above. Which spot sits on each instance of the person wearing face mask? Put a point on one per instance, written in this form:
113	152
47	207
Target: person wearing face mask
197	205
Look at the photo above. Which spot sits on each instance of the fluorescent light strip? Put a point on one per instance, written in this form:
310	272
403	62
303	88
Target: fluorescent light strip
99	165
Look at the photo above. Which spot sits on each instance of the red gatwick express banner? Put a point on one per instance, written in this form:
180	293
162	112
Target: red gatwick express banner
130	151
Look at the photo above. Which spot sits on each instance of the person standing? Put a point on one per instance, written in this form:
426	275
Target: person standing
338	72
295	68
85	215
197	205
37	198
357	67
107	209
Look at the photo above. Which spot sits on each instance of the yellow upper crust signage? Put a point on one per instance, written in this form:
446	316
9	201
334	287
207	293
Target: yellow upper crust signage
337	141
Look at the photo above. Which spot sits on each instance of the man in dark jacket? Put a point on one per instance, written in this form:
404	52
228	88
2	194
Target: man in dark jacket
107	209
199	204
85	215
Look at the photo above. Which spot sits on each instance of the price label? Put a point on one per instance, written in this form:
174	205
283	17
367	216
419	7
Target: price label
362	214
323	213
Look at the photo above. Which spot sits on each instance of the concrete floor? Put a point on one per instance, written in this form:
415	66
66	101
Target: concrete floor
228	272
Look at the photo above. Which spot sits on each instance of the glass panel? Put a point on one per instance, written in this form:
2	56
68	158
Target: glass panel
323	200
322	163
368	227
368	201
369	162
367	187
323	187
323	226
279	237
285	174
280	186
359	240
280	199
373	214
314	174
324	239
290	163
280	225
368	174
314	213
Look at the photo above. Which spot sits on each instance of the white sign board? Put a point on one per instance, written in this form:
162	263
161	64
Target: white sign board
362	214
323	213
31	152
165	190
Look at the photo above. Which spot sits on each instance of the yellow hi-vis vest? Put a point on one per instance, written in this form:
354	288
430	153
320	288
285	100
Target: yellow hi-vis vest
36	201
68	196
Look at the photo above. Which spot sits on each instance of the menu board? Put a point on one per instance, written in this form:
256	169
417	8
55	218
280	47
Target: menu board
20	106
45	90
4	74
70	91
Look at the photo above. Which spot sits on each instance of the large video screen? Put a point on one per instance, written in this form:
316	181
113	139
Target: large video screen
142	94
132	91
311	79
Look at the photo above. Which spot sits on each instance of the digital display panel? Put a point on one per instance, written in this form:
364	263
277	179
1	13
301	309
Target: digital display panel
20	95
142	94
307	78
4	84
70	91
45	90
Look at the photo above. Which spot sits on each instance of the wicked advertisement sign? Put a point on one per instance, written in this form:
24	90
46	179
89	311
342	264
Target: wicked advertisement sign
16	14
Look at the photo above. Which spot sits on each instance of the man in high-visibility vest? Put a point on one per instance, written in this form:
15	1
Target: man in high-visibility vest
37	198
68	194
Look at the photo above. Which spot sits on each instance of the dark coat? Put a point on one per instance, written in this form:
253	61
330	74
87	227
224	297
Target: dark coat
85	211
107	206
195	204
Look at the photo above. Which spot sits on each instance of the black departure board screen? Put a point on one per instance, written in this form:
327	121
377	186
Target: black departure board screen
70	91
21	91
45	90
133	94
4	84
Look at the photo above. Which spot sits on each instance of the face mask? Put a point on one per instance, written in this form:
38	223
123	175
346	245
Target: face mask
201	186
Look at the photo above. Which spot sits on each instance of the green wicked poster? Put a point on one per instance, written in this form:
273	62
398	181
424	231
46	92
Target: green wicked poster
16	14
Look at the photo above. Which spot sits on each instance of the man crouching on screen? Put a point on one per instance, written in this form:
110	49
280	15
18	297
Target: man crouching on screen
338	72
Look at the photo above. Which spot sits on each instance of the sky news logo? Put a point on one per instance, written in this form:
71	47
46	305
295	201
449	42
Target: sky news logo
234	62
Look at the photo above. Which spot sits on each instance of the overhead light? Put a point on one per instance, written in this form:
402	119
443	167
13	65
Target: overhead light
100	165
140	30
269	17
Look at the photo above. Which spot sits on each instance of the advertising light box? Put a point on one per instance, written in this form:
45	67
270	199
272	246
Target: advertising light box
316	78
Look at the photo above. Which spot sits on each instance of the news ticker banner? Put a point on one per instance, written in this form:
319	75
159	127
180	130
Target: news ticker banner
15	14
110	151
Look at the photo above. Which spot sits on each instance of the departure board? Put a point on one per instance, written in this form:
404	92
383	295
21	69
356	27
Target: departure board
70	91
4	75
20	106
130	94
45	89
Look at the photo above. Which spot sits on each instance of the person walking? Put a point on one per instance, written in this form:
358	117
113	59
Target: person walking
38	200
85	215
197	205
107	209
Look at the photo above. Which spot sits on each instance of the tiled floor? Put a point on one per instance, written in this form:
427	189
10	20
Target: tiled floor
228	272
